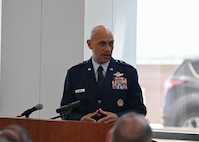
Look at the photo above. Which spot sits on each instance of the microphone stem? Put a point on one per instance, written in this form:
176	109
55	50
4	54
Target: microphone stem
67	113
56	117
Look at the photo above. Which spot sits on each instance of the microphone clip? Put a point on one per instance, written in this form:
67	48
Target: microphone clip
63	114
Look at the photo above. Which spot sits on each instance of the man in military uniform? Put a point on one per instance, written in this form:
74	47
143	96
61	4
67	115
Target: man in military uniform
113	90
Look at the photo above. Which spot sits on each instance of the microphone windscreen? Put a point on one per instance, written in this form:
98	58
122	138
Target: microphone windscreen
39	106
85	101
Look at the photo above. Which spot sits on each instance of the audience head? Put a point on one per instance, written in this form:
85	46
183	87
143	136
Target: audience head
4	140
131	127
14	133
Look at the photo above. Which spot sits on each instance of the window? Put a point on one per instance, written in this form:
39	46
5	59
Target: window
167	34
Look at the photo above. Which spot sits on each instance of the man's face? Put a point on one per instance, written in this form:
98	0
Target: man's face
101	44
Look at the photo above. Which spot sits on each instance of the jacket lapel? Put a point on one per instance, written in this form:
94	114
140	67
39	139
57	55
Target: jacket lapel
90	75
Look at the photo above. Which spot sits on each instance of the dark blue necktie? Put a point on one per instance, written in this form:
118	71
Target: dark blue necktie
100	76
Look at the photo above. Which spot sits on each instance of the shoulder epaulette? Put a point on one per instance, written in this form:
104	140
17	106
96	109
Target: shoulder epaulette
80	64
122	63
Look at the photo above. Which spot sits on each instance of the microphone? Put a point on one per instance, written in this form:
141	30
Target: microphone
84	102
29	111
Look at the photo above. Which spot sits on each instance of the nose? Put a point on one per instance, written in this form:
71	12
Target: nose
108	48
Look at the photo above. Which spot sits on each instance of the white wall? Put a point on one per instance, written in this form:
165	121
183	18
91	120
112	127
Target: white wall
20	58
41	39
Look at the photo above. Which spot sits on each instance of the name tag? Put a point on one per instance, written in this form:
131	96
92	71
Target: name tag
80	90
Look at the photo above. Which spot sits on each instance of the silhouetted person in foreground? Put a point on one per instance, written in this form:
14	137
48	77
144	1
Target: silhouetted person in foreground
131	127
14	133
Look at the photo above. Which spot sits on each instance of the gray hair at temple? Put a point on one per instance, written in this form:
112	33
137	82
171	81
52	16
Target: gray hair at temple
131	127
14	133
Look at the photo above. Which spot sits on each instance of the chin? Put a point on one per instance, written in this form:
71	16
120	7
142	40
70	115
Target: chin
106	61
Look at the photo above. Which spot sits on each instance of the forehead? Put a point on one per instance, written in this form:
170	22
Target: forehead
104	38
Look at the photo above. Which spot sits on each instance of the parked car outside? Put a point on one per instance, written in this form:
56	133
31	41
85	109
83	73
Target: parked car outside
181	98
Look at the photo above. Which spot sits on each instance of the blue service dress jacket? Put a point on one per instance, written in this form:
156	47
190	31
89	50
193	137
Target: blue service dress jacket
120	92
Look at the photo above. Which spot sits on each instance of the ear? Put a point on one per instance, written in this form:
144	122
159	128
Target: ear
89	43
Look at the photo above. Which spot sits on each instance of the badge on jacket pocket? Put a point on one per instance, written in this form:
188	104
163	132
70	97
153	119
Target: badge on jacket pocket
120	102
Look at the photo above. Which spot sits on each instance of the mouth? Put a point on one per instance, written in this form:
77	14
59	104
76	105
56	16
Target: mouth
106	55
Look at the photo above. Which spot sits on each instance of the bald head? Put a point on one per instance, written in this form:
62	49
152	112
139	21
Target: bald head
131	127
99	31
101	43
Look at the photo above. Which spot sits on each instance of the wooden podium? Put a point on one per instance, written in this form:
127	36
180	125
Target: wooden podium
60	131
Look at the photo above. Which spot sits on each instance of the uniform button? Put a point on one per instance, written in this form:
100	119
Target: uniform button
99	101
